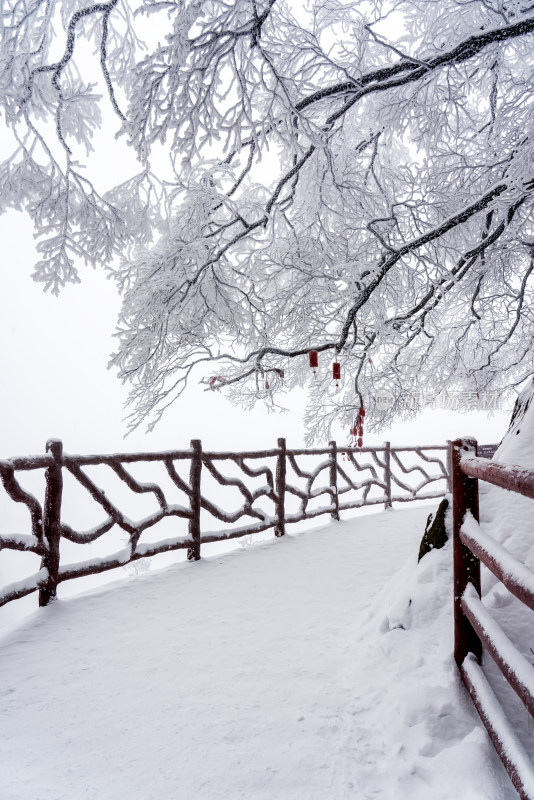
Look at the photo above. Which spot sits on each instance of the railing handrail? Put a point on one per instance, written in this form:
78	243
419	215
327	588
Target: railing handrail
507	476
43	461
473	625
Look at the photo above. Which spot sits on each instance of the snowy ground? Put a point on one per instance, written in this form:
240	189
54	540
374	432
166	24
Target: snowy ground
316	667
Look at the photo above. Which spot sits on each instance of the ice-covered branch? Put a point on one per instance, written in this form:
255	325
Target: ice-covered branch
346	179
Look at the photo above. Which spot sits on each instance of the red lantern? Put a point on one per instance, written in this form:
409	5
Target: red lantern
336	371
314	362
360	442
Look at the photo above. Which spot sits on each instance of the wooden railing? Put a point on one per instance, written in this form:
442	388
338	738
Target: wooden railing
474	626
281	489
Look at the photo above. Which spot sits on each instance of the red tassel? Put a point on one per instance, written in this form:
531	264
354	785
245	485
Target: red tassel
357	428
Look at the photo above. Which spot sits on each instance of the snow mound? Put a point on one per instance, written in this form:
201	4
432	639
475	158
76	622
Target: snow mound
414	715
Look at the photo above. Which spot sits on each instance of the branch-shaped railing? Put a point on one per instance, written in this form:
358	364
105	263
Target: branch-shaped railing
269	489
474	626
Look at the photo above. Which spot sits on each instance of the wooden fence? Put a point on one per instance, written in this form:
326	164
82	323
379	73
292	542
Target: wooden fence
474	626
273	487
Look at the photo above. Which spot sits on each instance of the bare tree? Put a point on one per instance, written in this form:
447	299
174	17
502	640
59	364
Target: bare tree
354	179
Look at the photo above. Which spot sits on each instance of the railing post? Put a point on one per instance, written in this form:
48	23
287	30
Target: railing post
52	521
280	527
387	473
449	466
466	565
193	553
333	480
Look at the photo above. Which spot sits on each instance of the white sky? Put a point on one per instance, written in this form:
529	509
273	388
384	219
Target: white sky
55	382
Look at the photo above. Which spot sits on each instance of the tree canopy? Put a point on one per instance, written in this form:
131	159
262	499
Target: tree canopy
354	178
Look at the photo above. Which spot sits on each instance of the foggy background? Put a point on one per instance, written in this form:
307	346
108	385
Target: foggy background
55	384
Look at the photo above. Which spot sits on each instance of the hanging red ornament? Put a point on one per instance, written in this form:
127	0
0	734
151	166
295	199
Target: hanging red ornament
336	373
213	381
314	361
266	384
356	431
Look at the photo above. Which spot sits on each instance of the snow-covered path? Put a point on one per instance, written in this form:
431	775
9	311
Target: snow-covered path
236	677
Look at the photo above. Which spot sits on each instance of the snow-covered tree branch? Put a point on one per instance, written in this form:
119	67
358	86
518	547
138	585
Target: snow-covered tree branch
355	179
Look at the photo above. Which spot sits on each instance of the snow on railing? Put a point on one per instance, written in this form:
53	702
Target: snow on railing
266	489
473	625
